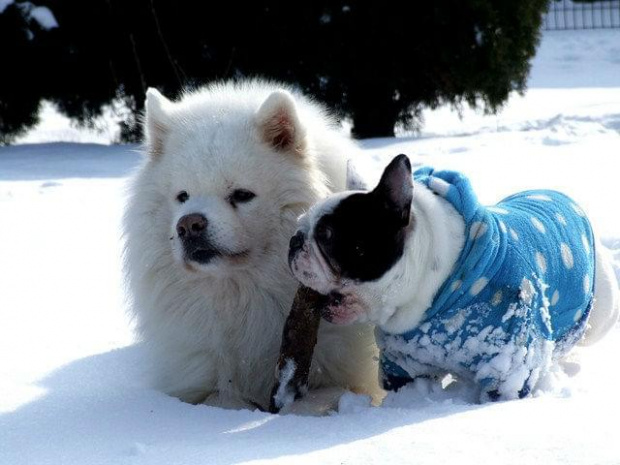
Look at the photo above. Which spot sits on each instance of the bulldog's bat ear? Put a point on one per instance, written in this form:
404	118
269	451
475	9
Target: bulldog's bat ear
354	181
396	188
156	121
279	124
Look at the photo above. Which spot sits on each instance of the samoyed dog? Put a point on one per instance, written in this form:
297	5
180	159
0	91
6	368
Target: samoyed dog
227	171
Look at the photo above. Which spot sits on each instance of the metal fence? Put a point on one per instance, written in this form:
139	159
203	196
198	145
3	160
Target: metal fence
587	14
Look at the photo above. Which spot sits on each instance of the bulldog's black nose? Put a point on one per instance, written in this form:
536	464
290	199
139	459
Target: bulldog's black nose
191	226
297	241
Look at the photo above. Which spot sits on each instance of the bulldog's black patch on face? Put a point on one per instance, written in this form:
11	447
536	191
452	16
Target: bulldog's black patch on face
361	239
365	235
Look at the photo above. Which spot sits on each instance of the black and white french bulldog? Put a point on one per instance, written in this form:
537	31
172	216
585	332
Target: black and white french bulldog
379	255
382	256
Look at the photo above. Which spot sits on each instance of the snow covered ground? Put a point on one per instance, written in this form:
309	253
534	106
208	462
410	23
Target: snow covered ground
72	383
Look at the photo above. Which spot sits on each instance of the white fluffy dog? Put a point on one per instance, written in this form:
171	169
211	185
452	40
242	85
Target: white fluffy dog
228	169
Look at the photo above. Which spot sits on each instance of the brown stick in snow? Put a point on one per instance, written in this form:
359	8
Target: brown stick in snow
298	341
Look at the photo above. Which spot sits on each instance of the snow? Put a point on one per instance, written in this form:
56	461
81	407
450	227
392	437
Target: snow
285	395
41	14
55	127
44	17
353	403
4	4
72	383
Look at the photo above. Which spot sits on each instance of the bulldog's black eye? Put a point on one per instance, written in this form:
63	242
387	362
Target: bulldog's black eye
241	196
359	250
182	196
323	232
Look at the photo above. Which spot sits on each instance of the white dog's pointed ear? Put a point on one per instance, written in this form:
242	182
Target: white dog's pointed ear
156	124
354	181
396	188
279	124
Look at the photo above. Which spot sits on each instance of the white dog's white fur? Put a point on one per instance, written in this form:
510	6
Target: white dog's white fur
397	301
214	330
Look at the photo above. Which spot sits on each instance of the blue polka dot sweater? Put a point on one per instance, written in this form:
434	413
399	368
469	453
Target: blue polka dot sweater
519	295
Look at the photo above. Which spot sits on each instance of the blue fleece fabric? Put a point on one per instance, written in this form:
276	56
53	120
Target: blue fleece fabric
519	295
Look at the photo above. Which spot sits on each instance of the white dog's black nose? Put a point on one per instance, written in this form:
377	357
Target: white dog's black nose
191	226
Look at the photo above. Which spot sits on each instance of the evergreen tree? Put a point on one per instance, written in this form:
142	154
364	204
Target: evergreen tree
24	60
378	63
388	60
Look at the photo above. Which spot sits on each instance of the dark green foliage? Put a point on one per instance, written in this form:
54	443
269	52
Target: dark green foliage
22	58
378	63
427	53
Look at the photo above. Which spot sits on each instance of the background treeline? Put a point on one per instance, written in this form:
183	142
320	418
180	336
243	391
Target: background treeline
377	63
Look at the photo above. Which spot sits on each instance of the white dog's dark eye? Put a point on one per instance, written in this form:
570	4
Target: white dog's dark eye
182	196
241	196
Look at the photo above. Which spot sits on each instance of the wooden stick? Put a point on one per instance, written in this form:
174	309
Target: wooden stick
298	341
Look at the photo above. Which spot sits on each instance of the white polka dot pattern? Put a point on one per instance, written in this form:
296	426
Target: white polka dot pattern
578	210
561	219
567	256
440	186
527	291
478	286
538	225
586	244
542	197
541	262
477	230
